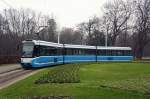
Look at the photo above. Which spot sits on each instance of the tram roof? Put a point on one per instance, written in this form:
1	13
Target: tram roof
45	43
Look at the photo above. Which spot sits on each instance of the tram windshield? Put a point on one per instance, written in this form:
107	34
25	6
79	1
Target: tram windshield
27	50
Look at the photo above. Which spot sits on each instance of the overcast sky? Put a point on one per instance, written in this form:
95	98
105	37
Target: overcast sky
68	13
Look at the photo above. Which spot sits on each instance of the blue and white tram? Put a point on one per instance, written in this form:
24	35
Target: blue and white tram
36	53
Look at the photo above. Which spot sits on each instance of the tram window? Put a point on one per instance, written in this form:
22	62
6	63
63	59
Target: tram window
92	52
52	51
89	52
46	51
74	51
36	51
42	51
120	53
68	51
81	52
130	52
107	52
59	51
127	53
104	52
101	52
77	51
98	52
124	52
86	52
114	53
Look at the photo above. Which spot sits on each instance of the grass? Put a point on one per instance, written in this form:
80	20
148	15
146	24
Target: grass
97	81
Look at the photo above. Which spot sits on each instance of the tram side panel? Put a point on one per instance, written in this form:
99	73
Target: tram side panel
79	58
44	61
114	58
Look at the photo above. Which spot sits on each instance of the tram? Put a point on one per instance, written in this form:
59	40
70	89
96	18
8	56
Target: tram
37	54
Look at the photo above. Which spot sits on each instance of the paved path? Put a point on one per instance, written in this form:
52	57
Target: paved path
11	78
9	67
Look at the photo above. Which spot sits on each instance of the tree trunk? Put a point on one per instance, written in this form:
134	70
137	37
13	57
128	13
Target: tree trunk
139	52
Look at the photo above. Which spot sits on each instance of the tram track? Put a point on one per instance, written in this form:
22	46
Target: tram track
8	71
8	78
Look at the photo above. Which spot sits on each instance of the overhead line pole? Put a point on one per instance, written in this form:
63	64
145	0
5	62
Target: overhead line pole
106	38
58	38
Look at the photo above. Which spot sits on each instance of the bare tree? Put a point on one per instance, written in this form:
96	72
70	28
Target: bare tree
49	30
142	26
66	35
15	26
23	21
116	15
90	30
70	36
77	37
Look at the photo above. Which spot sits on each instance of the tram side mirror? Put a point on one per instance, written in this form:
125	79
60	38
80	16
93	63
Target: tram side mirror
18	47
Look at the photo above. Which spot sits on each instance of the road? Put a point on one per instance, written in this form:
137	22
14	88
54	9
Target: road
9	67
12	73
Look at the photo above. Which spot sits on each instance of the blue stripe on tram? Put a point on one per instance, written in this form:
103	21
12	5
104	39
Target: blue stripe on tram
54	60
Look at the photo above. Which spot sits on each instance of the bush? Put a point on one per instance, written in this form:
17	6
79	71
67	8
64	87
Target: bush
61	74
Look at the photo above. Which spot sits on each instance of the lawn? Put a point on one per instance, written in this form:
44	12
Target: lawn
97	81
